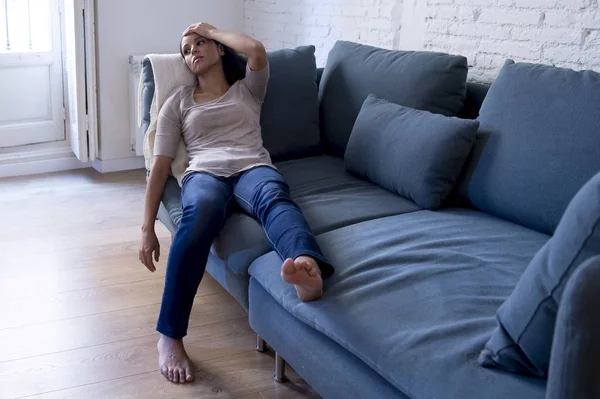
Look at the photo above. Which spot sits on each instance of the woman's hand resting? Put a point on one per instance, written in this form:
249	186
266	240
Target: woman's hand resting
149	246
202	28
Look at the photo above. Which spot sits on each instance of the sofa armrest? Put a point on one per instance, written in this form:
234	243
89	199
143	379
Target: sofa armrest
574	371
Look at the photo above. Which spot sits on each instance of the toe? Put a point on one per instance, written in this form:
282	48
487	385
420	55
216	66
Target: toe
170	373
182	376
313	272
164	371
288	267
190	376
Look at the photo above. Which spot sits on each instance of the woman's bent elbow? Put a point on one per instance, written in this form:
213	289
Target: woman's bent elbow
161	166
162	162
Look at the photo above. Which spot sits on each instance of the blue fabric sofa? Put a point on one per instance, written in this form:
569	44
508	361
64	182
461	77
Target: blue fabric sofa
415	294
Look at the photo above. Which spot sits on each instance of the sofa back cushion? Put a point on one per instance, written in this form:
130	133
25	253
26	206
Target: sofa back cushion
476	93
538	143
290	112
427	81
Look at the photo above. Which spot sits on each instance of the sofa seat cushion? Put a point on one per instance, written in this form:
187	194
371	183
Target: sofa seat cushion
329	197
415	296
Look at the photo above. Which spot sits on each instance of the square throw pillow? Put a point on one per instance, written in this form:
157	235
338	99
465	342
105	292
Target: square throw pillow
523	340
416	154
290	112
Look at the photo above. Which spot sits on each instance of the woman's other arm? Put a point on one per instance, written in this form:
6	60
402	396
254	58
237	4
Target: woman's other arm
154	190
166	141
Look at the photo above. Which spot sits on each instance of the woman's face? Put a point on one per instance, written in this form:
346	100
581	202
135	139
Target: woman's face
200	54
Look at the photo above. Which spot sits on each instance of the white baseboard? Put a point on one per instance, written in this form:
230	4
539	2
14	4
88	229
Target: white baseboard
41	166
116	165
34	167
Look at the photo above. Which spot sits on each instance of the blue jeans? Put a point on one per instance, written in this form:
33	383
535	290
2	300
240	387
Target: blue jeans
207	201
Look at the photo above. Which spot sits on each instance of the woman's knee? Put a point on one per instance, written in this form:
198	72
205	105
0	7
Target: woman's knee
271	196
202	219
273	191
206	208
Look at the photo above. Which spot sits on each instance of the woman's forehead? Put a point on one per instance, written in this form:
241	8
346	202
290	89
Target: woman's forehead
189	39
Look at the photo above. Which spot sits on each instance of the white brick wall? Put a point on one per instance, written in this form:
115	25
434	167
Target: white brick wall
290	23
559	32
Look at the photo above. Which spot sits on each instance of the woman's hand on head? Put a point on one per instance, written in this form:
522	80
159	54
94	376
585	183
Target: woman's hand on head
251	48
202	28
149	246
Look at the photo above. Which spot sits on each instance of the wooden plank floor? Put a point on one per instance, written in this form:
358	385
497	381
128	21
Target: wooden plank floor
78	310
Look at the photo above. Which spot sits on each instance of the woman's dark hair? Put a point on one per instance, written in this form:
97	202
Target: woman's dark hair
234	64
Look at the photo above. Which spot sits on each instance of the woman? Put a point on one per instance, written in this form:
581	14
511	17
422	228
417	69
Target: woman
219	121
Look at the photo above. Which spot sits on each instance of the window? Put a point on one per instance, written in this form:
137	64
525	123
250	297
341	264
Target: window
26	26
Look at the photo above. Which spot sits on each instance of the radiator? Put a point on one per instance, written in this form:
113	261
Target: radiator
135	130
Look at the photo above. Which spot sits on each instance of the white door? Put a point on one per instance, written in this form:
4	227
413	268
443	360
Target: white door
31	81
80	72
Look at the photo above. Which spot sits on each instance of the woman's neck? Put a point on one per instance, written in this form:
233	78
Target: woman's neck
213	81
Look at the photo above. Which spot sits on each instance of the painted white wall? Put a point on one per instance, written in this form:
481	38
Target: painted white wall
136	27
559	32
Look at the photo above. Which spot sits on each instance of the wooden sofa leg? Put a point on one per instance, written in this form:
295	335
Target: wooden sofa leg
260	343
279	369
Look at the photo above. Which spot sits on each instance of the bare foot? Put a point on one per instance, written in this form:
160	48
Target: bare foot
173	361
305	274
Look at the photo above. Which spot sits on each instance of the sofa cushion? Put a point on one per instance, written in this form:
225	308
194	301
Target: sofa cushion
414	297
523	340
423	80
476	93
537	145
290	112
236	285
416	154
240	241
329	197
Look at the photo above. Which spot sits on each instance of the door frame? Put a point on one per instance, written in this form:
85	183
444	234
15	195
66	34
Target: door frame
86	60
